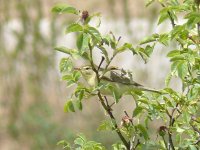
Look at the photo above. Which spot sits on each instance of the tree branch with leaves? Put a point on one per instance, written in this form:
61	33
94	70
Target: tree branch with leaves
178	129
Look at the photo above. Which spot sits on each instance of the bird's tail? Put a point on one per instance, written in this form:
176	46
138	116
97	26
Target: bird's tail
149	90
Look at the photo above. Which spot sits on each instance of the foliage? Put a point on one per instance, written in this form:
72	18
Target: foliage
177	110
81	143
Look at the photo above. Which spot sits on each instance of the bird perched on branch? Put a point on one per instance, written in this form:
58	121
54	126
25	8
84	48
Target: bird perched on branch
120	82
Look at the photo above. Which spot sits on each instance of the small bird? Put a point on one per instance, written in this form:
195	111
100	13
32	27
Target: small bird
121	83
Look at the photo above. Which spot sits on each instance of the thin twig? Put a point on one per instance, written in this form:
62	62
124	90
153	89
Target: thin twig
172	22
102	60
171	141
138	143
170	16
197	142
195	129
165	142
106	100
131	120
107	108
113	121
171	122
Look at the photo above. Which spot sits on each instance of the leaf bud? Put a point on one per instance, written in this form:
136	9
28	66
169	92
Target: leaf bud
162	130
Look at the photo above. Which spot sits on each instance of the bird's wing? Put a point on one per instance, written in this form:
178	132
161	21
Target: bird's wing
116	77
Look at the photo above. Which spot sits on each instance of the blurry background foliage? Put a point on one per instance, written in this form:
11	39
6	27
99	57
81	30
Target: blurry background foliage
31	93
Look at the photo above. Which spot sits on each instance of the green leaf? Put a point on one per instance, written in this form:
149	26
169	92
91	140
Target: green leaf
168	79
164	39
145	52
173	53
150	39
63	8
74	27
82	42
64	144
179	130
143	131
79	105
71	52
163	16
182	69
65	65
81	94
79	141
106	125
124	47
69	107
171	92
118	146
177	58
94	33
76	76
104	52
115	94
193	19
71	78
137	111
149	2
177	31
149	50
192	147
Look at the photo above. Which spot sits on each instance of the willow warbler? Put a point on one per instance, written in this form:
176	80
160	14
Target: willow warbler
121	83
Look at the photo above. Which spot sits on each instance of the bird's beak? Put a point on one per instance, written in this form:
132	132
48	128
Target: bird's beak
77	69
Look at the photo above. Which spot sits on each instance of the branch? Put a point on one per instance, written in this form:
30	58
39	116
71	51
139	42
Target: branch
102	60
172	22
137	144
171	123
197	142
107	107
108	110
165	142
170	16
171	141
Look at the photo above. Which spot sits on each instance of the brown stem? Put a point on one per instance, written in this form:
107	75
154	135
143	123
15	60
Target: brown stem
102	60
165	142
137	144
113	121
171	122
172	119
107	108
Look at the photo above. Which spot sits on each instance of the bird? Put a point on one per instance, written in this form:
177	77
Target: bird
121	83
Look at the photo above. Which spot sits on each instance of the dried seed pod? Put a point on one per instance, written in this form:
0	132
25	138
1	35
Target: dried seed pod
84	15
162	130
126	120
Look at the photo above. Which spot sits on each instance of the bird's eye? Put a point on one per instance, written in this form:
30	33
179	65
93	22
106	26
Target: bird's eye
87	68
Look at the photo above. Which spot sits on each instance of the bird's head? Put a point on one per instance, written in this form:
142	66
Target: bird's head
87	72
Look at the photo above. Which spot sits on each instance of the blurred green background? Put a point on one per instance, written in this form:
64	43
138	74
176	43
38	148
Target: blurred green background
32	94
